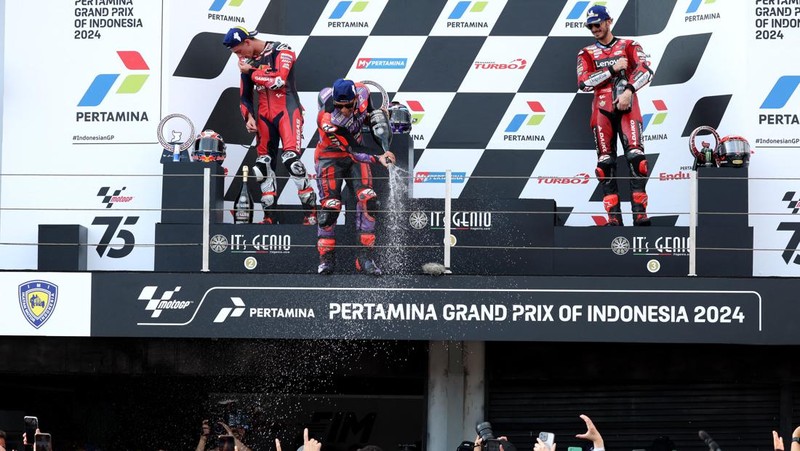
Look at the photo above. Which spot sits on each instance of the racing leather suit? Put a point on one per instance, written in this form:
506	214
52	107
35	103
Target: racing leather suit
280	117
341	155
596	74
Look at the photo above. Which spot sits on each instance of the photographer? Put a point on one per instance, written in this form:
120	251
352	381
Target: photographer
206	436
485	440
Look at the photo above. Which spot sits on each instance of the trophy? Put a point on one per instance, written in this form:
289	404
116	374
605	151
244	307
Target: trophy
176	145
705	155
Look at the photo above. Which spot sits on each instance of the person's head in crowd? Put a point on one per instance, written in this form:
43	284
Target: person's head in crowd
2	439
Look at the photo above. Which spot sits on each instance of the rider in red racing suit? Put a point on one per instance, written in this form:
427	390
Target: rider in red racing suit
341	155
614	69
267	69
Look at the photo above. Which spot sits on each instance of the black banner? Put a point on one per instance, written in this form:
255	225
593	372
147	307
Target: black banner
650	310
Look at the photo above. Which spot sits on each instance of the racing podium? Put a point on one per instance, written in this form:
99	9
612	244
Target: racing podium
724	239
286	247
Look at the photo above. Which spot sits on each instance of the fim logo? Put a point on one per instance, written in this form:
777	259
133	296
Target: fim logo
114	197
575	18
37	299
231	312
535	118
217	5
103	83
164	302
777	98
454	20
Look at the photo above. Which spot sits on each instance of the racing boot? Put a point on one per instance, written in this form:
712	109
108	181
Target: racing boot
327	255
639	209
611	204
267	215
308	198
364	262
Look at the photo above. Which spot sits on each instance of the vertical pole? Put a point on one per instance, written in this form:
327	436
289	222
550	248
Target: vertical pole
448	188
693	189
206	216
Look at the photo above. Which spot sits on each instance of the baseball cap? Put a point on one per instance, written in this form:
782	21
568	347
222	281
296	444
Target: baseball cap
236	36
597	14
344	90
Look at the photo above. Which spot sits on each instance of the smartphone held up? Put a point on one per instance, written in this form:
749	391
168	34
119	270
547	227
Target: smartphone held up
548	438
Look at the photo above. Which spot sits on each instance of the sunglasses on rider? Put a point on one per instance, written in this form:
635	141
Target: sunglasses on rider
348	105
592	26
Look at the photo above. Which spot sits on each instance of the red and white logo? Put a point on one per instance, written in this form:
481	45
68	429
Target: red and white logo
578	179
518	63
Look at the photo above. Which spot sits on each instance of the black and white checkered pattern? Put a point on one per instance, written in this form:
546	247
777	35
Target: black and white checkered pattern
449	47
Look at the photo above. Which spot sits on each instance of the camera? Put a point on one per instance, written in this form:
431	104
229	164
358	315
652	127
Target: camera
490	443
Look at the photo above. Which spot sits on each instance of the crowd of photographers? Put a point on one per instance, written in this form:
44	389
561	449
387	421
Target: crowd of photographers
218	436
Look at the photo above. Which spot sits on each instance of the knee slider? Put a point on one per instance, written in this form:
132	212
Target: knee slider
367	239
638	163
262	168
267	199
329	212
604	171
368	199
293	164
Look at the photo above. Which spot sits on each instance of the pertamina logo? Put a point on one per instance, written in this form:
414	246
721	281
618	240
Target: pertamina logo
345	10
231	312
103	84
438	177
37	299
472	10
115	197
518	63
532	119
239	308
156	305
575	17
417	113
777	98
656	119
218	5
381	63
692	14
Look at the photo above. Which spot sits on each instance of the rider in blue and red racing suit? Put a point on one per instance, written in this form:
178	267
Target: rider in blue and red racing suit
267	70
341	155
614	69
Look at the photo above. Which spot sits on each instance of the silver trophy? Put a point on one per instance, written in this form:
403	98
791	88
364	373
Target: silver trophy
180	125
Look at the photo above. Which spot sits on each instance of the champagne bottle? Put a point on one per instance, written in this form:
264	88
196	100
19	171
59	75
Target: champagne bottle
620	83
243	209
